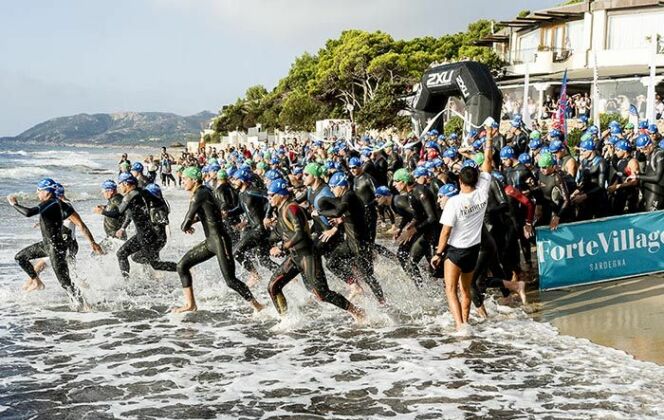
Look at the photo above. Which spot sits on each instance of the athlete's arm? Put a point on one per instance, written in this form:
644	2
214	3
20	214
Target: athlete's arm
295	216
76	220
190	217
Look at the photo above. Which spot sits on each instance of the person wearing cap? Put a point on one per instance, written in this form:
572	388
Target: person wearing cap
124	164
53	243
364	186
227	199
460	236
623	194
252	205
554	197
354	253
416	235
137	172
493	129
291	237
566	161
140	247
203	208
517	137
651	178
592	178
114	228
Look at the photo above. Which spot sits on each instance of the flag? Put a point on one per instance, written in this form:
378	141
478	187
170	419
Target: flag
560	122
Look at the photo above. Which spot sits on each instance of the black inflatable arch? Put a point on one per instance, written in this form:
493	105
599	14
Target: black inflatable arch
469	80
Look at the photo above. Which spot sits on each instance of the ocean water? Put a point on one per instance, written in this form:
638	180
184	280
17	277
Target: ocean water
131	358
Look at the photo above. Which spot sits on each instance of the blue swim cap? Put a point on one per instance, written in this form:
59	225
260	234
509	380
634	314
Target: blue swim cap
242	175
498	175
507	152
525	158
643	124
616	130
383	191
420	171
153	189
516	122
477	144
535	144
339	179
272	175
556	146
432	145
450	152
587	145
441	137
592	130
434	132
469	163
279	187
59	190
436	163
448	190
623	145
329	164
137	167
47	184
297	170
230	171
642	141
612	123
205	169
652	128
109	185
367	151
214	167
554	133
127	178
583	119
354	162
454	136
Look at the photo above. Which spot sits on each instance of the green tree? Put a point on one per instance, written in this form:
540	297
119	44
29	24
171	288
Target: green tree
300	111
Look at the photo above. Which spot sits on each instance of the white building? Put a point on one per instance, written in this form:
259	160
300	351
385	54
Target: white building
619	38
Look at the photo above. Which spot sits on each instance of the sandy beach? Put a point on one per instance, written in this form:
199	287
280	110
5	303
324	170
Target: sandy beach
626	314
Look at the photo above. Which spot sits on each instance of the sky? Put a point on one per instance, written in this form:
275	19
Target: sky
63	57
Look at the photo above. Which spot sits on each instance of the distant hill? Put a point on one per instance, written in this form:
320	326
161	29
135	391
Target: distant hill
116	128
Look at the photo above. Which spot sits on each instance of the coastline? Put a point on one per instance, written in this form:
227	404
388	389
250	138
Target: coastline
624	314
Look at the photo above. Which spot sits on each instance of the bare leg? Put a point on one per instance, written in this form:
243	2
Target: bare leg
517	287
482	311
466	279
452	273
254	278
189	301
35	284
256	305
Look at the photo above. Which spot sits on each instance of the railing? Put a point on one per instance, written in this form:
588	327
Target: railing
530	55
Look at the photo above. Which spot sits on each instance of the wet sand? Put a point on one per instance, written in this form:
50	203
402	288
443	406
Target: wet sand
626	314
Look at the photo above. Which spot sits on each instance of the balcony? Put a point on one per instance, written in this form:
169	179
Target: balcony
540	56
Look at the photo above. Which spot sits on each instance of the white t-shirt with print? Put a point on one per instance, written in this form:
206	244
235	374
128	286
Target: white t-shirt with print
465	213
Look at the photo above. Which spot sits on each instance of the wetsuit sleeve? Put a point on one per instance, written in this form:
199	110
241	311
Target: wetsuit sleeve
518	196
340	207
564	192
26	211
190	217
659	171
295	216
429	207
116	213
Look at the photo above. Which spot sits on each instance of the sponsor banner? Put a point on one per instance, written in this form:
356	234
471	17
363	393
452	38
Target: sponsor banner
600	250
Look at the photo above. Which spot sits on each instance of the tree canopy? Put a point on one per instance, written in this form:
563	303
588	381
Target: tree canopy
361	75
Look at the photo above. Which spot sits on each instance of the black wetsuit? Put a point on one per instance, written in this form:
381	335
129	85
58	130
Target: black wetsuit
355	251
227	200
364	186
554	198
293	229
203	208
592	178
624	196
521	178
111	225
141	247
652	182
52	245
501	223
254	206
425	215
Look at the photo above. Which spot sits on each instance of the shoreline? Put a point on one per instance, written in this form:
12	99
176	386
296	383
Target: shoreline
624	314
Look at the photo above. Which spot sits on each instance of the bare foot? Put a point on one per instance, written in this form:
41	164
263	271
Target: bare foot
355	290
27	284
185	308
35	285
482	312
257	306
358	314
253	280
522	292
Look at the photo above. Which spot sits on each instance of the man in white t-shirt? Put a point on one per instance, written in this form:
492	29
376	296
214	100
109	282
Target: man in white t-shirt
460	237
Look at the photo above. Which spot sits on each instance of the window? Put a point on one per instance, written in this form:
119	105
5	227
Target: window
629	31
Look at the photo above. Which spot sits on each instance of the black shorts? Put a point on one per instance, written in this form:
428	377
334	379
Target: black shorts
464	258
